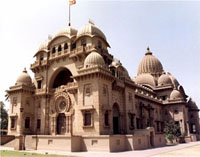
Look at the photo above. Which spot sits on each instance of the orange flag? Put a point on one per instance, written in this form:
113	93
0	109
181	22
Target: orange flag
72	2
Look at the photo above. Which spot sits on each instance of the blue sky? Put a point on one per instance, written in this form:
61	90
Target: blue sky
171	29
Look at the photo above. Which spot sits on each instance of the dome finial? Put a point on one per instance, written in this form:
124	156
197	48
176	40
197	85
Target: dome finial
25	71
91	22
148	51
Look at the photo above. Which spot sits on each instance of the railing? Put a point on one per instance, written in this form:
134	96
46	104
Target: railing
73	53
35	64
40	91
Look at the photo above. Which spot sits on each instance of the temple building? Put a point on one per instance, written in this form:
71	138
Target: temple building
82	99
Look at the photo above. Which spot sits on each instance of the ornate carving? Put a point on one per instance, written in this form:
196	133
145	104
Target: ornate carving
62	101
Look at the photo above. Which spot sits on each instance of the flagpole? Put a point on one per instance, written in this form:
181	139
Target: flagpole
69	14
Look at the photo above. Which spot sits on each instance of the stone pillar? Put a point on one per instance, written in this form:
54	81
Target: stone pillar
19	143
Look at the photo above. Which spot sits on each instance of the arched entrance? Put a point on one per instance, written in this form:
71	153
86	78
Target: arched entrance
61	77
116	119
61	124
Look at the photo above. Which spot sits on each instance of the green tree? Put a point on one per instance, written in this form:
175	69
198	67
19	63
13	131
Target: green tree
3	117
172	130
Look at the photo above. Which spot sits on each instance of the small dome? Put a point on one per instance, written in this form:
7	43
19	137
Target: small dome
44	45
175	94
150	64
94	59
164	79
70	31
24	78
174	81
145	79
90	29
192	104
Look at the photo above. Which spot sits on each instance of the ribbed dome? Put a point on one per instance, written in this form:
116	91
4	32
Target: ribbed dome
164	79
90	29
145	79
174	81
24	78
175	94
67	31
44	45
94	59
150	64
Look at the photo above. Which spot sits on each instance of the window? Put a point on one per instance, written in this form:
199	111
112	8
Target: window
132	121
148	122
66	46
27	102
73	46
104	90
12	123
176	111
83	42
88	90
15	101
54	50
41	57
39	84
138	123
87	119
106	118
27	122
158	128
59	48
164	97
38	123
193	128
162	126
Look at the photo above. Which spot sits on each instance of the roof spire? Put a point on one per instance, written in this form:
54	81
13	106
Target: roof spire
148	51
25	70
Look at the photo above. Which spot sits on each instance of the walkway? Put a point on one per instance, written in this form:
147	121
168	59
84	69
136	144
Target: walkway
188	149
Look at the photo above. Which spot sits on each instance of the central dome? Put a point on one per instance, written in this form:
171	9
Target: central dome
90	29
150	64
67	31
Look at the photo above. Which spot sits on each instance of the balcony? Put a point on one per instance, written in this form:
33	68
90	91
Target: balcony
59	54
70	87
35	64
40	91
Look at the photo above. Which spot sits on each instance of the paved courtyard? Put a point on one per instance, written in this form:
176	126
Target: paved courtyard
189	149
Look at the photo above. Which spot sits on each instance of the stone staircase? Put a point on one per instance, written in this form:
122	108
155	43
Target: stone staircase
28	142
10	143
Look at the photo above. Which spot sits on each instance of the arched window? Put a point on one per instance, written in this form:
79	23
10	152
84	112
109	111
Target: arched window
73	46
87	119
83	42
106	118
59	48
65	46
27	122
41	57
54	50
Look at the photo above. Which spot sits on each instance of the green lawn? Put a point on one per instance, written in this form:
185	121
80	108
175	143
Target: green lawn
7	153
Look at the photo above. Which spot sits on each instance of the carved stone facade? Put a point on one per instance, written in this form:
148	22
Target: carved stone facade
80	90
